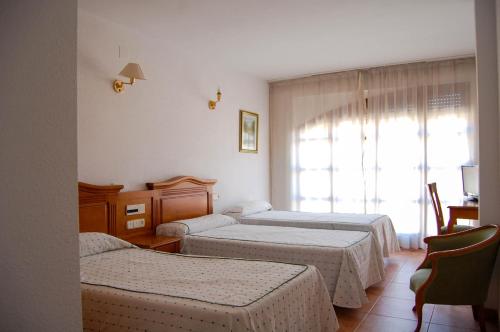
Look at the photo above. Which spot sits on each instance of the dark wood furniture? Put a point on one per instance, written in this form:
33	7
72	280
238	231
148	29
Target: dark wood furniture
157	242
466	210
454	213
104	209
182	197
97	207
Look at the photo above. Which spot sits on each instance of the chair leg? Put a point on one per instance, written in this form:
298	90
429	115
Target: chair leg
418	308
480	314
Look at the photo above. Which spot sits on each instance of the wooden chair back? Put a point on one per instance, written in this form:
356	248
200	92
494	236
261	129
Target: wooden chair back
437	206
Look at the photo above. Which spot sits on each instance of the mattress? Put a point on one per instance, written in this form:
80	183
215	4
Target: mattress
349	261
136	289
380	225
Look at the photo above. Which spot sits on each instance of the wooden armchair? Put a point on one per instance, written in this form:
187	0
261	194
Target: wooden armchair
457	270
441	227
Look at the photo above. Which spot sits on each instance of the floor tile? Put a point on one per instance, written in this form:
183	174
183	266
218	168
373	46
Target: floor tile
382	284
375	323
373	296
400	308
446	328
403	277
457	316
400	291
349	319
391	272
412	265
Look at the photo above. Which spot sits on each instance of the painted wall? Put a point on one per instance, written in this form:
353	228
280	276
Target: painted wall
161	127
489	117
39	266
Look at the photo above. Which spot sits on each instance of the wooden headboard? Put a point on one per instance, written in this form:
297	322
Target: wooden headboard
103	208
182	197
97	207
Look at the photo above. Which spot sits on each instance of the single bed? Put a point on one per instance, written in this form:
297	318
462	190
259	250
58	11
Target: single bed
261	213
126	288
349	261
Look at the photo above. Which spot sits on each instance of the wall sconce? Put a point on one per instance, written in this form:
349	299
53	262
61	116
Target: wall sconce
212	103
133	72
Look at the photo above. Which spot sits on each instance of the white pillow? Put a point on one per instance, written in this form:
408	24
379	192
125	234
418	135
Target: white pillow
92	243
247	208
179	228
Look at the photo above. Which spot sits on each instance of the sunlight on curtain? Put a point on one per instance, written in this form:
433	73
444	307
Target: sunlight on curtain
417	126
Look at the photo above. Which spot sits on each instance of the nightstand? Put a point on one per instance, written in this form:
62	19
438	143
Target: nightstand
157	242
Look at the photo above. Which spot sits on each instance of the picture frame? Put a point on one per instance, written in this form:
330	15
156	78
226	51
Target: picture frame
249	132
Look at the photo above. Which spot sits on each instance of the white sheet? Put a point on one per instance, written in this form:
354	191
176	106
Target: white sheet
380	225
349	261
151	291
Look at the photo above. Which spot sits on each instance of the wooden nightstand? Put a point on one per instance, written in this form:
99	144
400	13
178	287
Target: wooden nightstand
157	242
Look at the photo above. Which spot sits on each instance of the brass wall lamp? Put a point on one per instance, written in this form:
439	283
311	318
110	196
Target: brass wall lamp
133	71
213	103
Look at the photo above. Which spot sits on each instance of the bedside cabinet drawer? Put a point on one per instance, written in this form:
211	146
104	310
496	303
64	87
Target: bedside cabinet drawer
171	247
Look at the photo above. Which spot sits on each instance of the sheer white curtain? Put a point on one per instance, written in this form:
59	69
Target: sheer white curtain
369	141
301	137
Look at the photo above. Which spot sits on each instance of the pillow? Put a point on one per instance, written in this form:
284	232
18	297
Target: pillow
180	228
93	243
247	208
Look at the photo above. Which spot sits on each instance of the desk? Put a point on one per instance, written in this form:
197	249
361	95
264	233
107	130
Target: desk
467	210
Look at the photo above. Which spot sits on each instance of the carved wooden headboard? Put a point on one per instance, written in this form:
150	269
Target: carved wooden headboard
97	207
103	208
182	197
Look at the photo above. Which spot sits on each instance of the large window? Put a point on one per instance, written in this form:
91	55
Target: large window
376	151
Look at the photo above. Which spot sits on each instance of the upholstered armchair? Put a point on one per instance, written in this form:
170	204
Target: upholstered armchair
457	270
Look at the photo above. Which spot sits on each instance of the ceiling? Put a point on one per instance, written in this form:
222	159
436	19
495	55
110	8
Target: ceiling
276	39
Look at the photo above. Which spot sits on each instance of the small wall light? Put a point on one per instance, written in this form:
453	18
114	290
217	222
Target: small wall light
212	103
133	72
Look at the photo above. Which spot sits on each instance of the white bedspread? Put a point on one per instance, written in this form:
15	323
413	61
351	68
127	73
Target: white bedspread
380	225
349	261
134	289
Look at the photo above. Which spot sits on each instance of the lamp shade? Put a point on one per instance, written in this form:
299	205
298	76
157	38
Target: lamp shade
133	70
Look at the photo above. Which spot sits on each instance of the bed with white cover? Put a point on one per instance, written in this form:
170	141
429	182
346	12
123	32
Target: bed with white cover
261	213
349	261
126	288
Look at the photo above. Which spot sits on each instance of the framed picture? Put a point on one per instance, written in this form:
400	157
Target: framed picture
249	131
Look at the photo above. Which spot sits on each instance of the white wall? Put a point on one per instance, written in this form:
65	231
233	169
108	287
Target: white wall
39	267
498	71
489	137
161	127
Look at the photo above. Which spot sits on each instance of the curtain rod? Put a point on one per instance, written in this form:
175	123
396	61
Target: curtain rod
291	78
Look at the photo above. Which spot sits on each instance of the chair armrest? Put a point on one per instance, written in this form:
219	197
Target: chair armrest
437	255
432	242
445	242
460	239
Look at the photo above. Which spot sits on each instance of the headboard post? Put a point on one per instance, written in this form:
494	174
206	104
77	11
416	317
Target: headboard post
181	197
97	207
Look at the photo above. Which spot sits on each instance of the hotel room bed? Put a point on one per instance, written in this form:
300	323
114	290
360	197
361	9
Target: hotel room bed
349	261
260	213
126	288
380	225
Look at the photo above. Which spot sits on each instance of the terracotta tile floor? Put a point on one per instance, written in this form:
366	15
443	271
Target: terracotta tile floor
390	303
